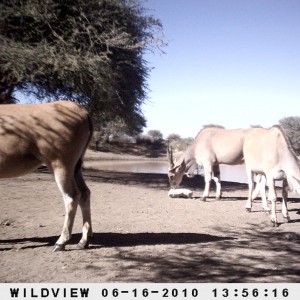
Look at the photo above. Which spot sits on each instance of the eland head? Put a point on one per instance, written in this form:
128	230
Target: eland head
176	170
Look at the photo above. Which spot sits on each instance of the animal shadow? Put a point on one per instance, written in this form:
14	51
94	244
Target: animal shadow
109	239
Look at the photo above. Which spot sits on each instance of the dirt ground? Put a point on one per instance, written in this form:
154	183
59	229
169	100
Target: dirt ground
142	235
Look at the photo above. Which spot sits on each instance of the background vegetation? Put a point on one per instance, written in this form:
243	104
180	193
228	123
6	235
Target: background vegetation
88	51
91	52
291	126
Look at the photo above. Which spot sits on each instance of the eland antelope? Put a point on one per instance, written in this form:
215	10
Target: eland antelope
55	134
269	152
212	146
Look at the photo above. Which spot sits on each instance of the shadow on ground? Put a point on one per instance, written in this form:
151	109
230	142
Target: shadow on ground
255	255
152	180
252	254
109	239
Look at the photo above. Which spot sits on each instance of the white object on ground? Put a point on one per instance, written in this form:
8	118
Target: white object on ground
180	193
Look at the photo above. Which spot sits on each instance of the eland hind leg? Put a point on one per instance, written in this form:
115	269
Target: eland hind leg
67	185
85	205
250	189
262	184
260	187
285	212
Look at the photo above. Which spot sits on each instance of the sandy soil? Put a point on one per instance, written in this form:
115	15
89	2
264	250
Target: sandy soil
142	235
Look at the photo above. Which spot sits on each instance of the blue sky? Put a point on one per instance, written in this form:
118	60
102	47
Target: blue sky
234	63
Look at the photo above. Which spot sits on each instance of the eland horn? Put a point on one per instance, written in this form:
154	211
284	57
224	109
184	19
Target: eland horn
170	157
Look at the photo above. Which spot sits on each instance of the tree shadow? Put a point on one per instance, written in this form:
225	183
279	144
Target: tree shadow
249	255
254	253
148	180
28	243
154	180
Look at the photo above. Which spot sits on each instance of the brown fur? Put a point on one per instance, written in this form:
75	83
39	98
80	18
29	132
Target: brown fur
57	135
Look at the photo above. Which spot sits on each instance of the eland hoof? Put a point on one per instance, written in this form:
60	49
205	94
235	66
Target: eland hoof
81	246
274	223
286	219
59	248
267	211
248	209
203	199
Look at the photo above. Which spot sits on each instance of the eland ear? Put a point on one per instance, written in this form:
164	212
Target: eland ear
182	166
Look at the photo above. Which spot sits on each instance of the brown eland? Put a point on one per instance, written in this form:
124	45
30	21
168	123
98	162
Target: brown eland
269	152
57	135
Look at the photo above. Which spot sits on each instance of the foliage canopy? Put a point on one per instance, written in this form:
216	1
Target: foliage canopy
88	51
291	126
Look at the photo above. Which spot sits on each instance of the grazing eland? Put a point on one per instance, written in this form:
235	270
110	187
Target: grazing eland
56	134
214	145
269	152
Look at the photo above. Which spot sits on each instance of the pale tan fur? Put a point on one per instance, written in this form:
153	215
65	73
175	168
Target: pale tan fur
57	135
212	146
269	152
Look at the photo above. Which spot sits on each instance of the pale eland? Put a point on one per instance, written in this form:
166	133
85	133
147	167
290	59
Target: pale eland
214	145
269	152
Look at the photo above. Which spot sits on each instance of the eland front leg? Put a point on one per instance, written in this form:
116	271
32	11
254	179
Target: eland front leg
272	198
216	178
